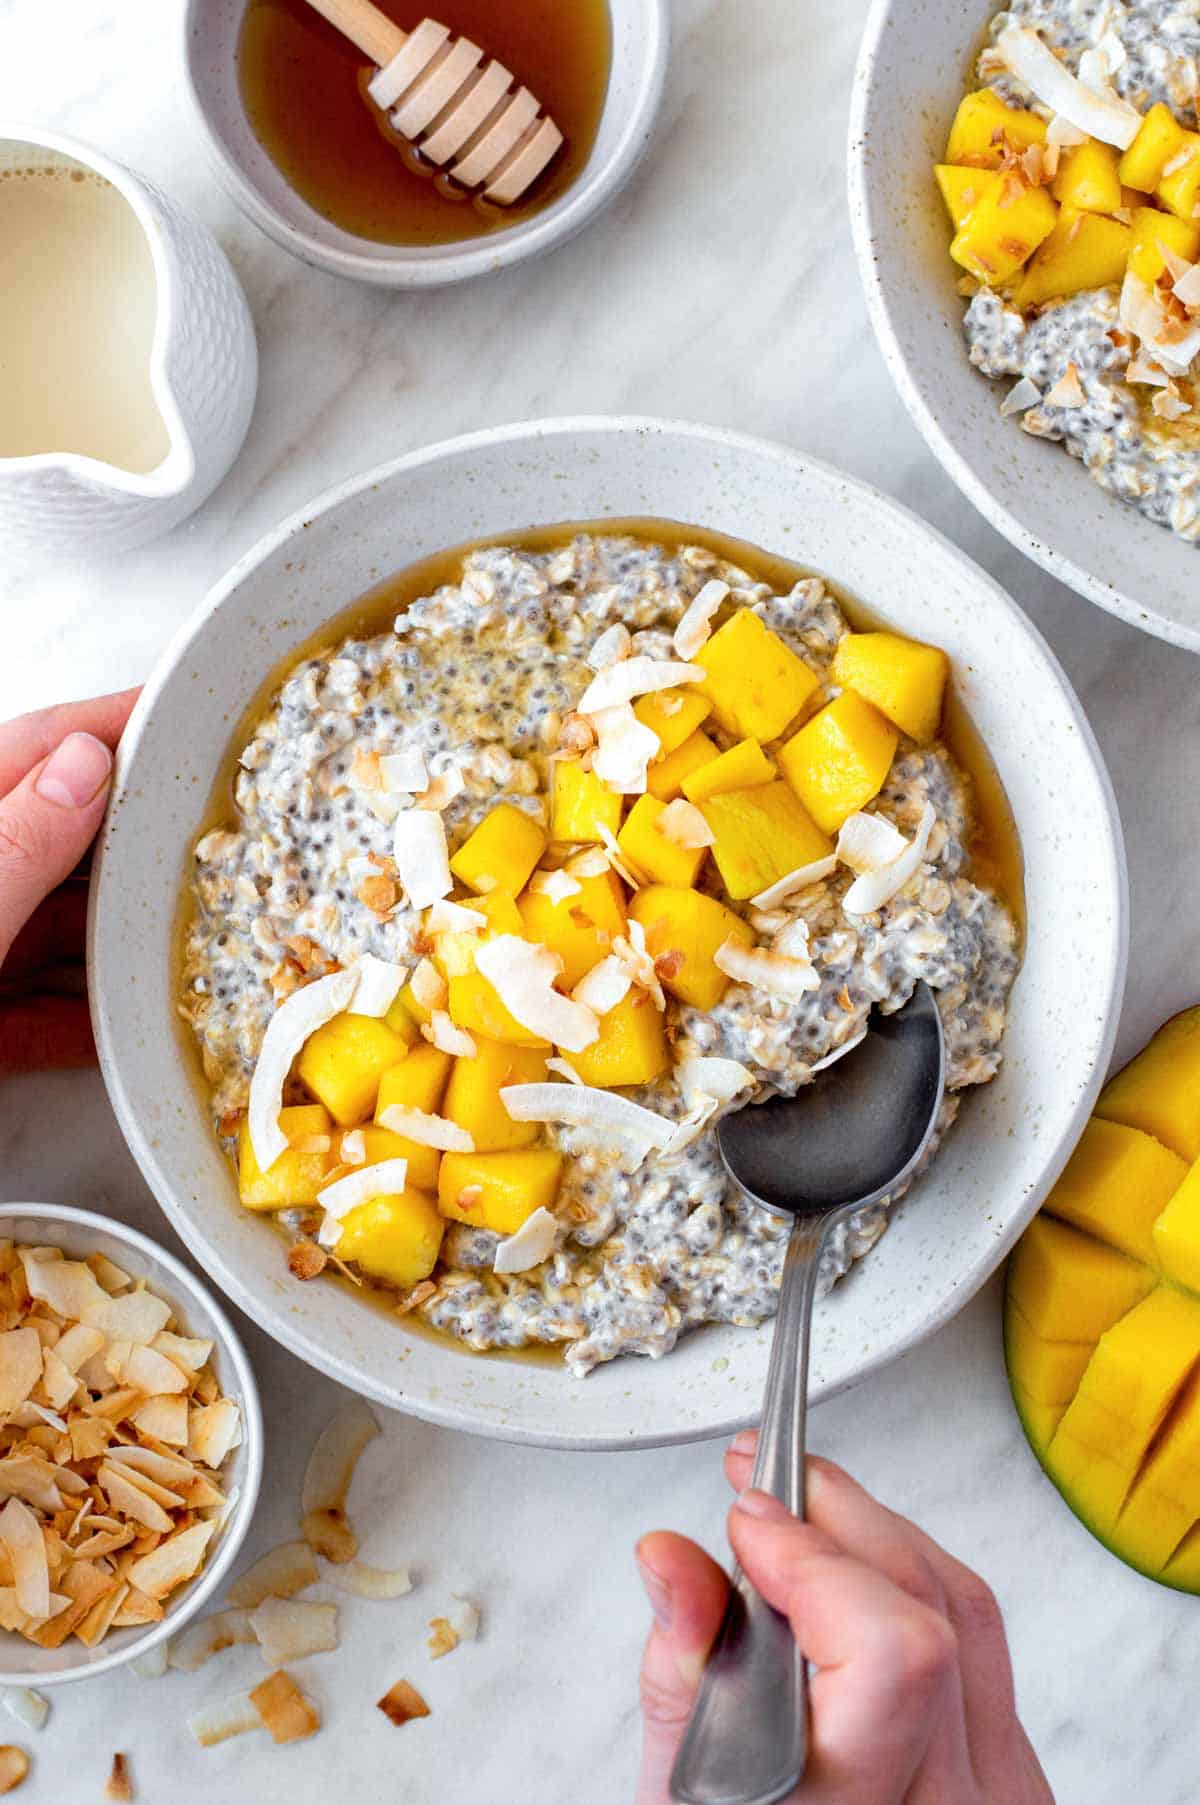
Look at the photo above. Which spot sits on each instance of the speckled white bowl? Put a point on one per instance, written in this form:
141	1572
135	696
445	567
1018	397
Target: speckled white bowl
79	1233
211	28
1012	1137
913	68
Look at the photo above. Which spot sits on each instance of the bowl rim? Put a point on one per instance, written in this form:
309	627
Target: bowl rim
413	266
431	1408
1137	611
238	1525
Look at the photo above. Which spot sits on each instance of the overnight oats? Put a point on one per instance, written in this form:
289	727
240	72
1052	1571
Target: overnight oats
514	899
1072	179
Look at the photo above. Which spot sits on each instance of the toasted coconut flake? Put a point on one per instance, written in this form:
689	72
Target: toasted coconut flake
113	1277
1062	133
231	1717
446	917
429	986
606	985
633	677
774	973
869	842
700	1077
384	1179
290	1628
28	1707
153	1664
14	1765
591	862
364	1581
68	1286
563	1070
1171	342
638	962
403	772
1149	374
402	1703
613	645
427	1130
139	1317
1068	391
173	1470
296	1018
847	1046
523	976
20	1367
173	1561
23	1542
874	888
283	1708
327	1480
129	1500
379	984
555	885
422	856
1187	285
1100	113
532	1243
210	1636
353	1148
153	1373
683	825
447	1036
78	1344
442	1639
441	791
1169	404
214	1431
120	1785
586	1106
695	623
1023	394
624	749
794	881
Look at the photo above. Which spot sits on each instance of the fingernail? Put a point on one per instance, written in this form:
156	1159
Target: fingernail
76	772
658	1592
744	1442
761	1504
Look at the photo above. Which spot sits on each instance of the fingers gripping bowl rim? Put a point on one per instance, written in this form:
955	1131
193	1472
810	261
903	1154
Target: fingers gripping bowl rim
78	1233
1014	1135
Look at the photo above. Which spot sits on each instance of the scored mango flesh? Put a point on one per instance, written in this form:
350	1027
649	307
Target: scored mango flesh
1102	1316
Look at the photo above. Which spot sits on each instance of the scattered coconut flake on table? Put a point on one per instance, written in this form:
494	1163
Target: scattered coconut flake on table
216	1723
523	976
196	1644
402	1703
774	973
422	856
280	1573
442	1639
532	1243
1102	115
695	623
284	1710
14	1765
633	677
606	985
364	1581
290	1628
403	772
427	1130
153	1664
613	645
874	888
28	1707
624	749
327	1480
120	1786
384	1179
379	984
297	1017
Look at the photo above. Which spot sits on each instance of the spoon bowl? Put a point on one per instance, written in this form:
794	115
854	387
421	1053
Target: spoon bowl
851	1138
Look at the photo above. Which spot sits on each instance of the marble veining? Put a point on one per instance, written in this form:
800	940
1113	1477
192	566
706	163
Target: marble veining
760	326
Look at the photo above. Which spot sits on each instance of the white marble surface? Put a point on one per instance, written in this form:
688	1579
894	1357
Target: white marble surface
721	287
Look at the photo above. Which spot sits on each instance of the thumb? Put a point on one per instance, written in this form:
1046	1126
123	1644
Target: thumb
688	1592
46	826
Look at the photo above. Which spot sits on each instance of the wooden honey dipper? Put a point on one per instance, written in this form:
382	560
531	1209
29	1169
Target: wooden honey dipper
460	109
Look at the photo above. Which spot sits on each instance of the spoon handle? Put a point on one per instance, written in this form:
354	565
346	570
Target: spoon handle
747	1741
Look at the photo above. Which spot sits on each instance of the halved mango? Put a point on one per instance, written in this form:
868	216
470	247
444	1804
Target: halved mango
755	682
498	1191
839	760
903	679
1115	1185
684	928
1159	1091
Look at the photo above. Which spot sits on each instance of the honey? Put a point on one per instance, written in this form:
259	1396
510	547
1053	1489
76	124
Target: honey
304	88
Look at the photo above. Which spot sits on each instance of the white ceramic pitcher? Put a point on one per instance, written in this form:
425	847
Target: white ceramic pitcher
203	376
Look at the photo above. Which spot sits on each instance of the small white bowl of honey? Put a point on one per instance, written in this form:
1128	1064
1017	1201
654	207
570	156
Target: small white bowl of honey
301	147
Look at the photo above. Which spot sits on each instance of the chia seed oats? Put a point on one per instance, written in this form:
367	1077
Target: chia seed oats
470	677
1149	461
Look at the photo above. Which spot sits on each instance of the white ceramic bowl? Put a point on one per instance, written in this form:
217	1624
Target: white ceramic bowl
79	1233
1013	1136
640	41
914	66
203	373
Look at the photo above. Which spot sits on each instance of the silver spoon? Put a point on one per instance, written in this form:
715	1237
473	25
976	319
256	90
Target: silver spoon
846	1140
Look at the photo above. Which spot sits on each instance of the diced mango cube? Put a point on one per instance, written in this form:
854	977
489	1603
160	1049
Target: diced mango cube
904	679
673	714
1159	1091
1151	230
755	682
684	928
383	1143
1115	1186
580	805
455	950
962	187
1070	1287
982	123
295	1177
401	1020
761	835
665	777
1088	178
1084	251
651	854
839	760
741	768
632	1047
1179	186
580	928
498	1191
343	1062
473	1094
416	1084
1004	229
1177	1236
475	1005
1160	138
395	1238
501	852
